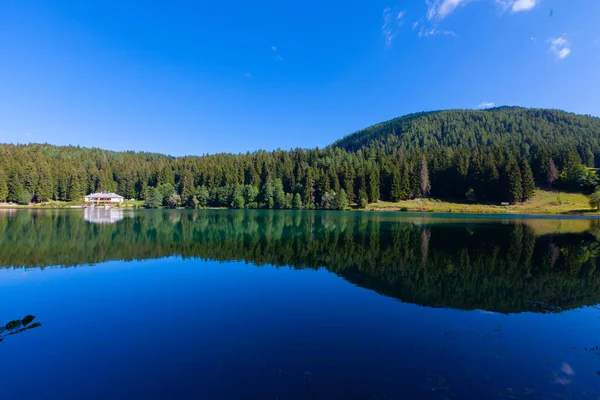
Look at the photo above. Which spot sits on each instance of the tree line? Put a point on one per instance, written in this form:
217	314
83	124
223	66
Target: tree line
456	156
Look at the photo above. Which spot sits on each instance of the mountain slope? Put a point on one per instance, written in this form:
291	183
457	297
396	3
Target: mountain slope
498	127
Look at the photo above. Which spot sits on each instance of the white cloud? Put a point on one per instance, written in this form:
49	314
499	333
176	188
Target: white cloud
560	47
486	104
516	6
523	5
400	15
27	134
415	25
247	75
274	48
440	9
424	32
533	39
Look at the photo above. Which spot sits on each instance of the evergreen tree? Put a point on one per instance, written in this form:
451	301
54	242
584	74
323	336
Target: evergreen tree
154	198
3	187
341	200
297	203
188	194
202	195
373	189
527	180
513	183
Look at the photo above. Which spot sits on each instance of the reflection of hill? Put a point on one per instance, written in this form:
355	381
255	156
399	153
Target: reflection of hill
467	264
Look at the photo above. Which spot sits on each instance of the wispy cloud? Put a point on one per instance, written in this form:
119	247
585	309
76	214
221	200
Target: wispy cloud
486	104
560	47
425	32
437	10
390	24
247	75
27	134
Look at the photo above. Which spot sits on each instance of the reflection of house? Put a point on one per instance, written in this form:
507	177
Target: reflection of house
104	198
101	216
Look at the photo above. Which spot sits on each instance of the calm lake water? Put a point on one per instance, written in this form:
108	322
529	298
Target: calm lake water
297	305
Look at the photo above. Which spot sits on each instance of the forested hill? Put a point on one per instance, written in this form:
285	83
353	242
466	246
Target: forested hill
505	127
496	155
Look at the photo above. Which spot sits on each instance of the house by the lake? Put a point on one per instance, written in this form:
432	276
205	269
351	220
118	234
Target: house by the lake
104	199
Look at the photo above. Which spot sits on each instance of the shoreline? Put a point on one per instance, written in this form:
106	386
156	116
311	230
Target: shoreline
544	203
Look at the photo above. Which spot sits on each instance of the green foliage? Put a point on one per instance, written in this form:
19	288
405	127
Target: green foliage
595	200
173	201
202	195
297	202
579	178
513	183
238	202
25	198
154	198
166	190
3	187
528	183
363	202
341	200
502	127
442	154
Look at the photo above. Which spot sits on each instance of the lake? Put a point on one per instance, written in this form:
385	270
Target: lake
297	305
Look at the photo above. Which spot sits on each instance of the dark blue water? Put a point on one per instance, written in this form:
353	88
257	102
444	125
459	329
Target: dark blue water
201	326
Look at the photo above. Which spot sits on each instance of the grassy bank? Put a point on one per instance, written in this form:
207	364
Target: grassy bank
68	204
544	202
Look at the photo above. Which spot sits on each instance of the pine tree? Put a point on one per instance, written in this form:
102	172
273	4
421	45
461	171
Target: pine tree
405	188
188	194
3	187
74	191
341	200
297	203
528	181
396	191
373	189
513	183
154	198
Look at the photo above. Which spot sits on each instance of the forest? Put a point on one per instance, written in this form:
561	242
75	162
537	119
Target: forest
491	266
486	156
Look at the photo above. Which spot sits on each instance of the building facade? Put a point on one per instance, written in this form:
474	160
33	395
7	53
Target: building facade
104	198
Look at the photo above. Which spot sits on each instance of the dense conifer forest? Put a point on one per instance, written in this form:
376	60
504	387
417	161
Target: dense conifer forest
495	155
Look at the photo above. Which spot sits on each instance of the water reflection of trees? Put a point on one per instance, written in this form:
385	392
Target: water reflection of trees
467	265
18	326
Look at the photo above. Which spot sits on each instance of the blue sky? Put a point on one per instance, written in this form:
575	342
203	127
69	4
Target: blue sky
203	77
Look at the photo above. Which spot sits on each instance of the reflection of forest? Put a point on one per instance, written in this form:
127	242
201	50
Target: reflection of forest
462	263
